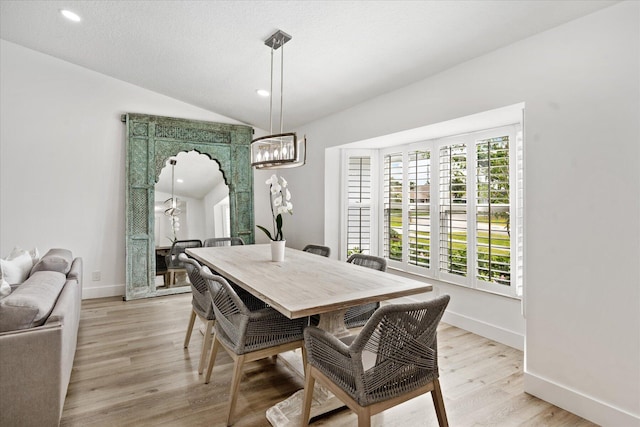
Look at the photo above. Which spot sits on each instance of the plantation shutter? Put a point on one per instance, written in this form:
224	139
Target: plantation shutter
359	205
493	212
419	208
392	203
453	209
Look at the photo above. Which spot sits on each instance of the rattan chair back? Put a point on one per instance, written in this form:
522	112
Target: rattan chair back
318	250
247	334
179	247
200	292
395	355
223	241
358	316
369	261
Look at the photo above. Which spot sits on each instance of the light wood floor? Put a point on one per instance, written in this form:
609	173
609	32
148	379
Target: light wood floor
131	369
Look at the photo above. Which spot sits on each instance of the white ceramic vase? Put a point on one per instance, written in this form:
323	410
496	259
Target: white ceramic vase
277	250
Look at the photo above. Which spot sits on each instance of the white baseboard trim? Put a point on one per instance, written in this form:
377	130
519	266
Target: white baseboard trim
102	291
573	401
487	330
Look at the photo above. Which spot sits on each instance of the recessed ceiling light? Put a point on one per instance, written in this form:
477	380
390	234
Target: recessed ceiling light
71	16
262	92
180	180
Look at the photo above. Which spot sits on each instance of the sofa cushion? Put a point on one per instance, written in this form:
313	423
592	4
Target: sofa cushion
55	260
31	303
16	270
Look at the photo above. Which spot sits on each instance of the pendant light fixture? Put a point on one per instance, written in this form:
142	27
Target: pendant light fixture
284	149
172	210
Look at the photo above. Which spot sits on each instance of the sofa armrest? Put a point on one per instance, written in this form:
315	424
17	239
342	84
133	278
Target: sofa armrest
76	270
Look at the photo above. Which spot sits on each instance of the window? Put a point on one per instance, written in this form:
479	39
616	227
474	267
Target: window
359	189
473	185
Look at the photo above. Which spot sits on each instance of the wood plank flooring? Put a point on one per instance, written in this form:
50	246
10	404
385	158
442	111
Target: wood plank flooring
131	369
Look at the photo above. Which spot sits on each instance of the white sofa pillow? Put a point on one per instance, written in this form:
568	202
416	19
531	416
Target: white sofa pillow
16	252
16	270
5	288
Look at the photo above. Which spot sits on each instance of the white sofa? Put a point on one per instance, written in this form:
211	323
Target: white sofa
38	335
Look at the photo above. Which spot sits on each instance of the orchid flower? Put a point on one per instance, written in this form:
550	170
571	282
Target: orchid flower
279	198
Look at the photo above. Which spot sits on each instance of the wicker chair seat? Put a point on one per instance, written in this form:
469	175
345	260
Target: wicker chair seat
265	328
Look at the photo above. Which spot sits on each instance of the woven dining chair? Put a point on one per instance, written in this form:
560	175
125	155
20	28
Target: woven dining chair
247	335
358	316
223	241
318	250
201	307
394	358
174	265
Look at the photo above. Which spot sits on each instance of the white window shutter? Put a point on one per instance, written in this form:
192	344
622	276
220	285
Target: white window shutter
453	209
359	220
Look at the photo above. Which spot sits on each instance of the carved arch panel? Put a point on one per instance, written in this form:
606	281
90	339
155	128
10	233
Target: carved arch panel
150	141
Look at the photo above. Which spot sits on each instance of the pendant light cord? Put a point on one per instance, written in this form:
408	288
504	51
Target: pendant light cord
273	43
271	93
281	85
173	198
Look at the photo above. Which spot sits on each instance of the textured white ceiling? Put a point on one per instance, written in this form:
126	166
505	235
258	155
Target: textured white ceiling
211	53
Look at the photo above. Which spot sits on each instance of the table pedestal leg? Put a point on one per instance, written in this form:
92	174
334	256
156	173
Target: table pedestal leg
288	412
333	322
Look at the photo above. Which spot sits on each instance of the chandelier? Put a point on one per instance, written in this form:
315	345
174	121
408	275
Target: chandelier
284	149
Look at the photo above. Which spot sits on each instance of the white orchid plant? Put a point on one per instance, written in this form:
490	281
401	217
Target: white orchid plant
280	201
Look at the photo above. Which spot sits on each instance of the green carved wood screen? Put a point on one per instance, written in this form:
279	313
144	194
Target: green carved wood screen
150	142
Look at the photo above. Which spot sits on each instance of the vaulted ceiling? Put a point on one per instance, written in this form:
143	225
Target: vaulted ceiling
212	54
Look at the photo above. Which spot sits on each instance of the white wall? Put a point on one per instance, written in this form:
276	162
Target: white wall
62	159
215	223
195	223
580	84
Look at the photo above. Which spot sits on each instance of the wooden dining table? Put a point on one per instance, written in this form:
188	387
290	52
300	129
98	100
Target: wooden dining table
302	285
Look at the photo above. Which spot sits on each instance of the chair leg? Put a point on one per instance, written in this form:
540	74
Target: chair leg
438	402
192	320
364	417
205	346
212	358
235	385
304	361
309	383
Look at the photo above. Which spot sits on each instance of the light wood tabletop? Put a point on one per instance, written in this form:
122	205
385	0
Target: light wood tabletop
304	284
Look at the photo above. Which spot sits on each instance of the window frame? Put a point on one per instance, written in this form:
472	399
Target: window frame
470	139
